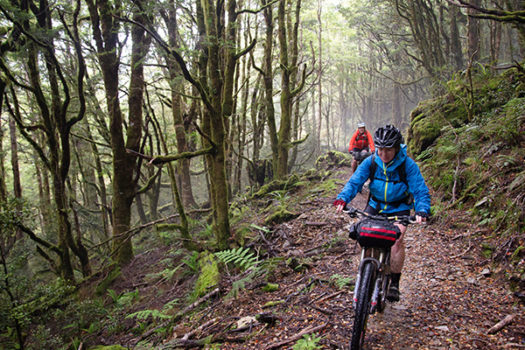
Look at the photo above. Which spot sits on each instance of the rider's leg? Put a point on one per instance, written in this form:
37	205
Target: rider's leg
354	165
397	258
397	253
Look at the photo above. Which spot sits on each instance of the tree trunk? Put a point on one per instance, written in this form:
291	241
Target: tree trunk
268	86
3	186
473	34
105	32
17	184
181	126
320	72
217	162
455	41
287	60
105	213
495	41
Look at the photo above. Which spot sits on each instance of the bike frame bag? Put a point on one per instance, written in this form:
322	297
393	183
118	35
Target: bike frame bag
377	233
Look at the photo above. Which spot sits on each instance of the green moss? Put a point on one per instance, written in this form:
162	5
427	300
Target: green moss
270	287
423	132
456	113
333	159
279	216
326	186
209	275
312	174
272	303
487	250
516	256
113	274
277	185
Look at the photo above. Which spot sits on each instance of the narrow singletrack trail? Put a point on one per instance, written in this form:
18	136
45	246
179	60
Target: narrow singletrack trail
447	301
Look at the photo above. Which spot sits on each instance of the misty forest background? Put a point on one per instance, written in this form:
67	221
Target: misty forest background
127	120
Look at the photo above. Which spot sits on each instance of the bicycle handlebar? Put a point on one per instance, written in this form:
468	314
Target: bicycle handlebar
352	212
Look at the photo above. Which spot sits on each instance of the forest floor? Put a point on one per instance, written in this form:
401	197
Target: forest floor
450	298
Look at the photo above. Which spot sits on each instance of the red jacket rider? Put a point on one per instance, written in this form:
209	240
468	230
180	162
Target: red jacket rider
362	139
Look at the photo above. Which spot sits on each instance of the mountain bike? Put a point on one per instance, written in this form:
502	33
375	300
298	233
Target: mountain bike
376	235
359	157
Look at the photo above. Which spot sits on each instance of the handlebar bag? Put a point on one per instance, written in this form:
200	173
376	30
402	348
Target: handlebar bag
377	233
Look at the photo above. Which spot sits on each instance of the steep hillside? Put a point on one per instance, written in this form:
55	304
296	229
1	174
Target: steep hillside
471	146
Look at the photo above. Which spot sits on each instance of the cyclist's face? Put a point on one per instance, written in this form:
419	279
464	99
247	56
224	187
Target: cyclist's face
361	130
386	154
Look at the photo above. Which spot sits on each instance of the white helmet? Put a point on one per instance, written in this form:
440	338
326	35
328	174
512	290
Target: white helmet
361	125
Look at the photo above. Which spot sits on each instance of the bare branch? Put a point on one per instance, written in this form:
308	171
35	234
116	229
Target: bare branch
258	10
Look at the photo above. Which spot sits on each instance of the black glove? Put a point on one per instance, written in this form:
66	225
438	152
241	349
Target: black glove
422	214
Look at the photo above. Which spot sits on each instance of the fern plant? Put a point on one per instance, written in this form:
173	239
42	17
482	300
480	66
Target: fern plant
240	257
192	262
145	314
123	299
340	281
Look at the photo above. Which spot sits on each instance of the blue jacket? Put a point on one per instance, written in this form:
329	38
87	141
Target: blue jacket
387	186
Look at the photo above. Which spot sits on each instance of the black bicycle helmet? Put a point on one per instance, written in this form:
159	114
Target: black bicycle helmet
388	136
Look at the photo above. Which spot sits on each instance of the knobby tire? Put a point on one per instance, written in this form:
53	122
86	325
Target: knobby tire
362	306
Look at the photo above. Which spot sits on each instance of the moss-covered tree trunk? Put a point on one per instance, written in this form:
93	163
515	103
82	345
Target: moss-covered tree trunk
104	18
268	88
293	29
456	53
182	127
288	63
3	186
473	34
286	106
51	97
217	122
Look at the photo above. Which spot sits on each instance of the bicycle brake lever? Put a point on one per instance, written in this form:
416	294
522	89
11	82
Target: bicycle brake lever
352	212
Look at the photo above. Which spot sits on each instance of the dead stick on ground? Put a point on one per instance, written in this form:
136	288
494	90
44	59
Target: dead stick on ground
198	329
498	326
296	337
463	253
329	296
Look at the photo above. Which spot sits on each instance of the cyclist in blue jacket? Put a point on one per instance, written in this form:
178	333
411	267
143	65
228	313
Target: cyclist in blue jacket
396	187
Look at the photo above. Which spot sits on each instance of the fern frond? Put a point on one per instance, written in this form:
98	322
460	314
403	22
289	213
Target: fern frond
144	314
240	257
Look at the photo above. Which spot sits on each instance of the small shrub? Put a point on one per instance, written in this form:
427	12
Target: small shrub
307	342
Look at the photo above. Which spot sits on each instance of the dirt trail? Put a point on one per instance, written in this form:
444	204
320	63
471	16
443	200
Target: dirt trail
447	303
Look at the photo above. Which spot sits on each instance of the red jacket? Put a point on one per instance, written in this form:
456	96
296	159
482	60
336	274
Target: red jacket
361	141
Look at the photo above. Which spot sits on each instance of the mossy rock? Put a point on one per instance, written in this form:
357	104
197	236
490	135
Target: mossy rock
277	185
279	216
209	275
424	130
312	174
333	159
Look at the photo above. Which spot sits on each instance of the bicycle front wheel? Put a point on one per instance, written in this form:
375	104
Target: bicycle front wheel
362	308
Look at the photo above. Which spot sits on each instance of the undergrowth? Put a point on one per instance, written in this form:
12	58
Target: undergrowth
476	162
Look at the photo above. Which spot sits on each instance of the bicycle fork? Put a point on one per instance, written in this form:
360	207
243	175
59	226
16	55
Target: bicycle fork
378	279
